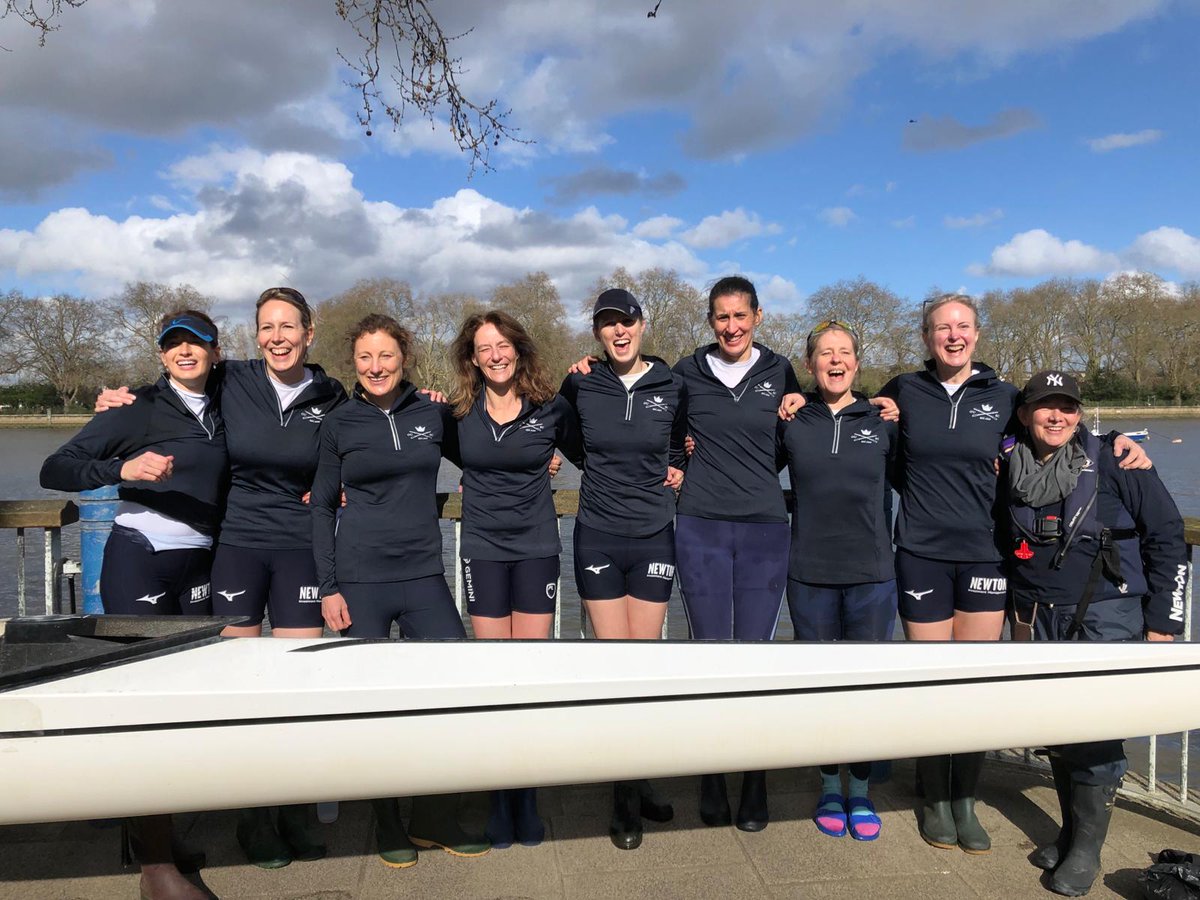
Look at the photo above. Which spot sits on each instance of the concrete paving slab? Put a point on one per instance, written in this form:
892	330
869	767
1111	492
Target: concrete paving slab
939	886
517	871
732	882
583	846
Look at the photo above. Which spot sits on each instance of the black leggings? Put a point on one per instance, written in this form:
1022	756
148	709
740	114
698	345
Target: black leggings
422	607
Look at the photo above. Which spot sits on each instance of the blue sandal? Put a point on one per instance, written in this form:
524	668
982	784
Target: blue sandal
830	817
864	824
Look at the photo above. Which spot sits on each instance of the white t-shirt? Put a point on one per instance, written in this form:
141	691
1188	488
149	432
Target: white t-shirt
287	393
729	374
634	377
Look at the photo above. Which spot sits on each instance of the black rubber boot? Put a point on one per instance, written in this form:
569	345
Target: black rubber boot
653	808
1049	856
435	824
937	819
295	824
499	829
964	778
529	827
714	801
391	840
626	826
752	810
260	841
1091	812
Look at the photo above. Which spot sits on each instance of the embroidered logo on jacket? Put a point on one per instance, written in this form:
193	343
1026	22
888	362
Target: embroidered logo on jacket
865	436
766	389
534	425
420	433
313	414
985	412
658	404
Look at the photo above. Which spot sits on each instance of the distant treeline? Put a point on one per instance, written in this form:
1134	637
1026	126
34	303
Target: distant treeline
1129	338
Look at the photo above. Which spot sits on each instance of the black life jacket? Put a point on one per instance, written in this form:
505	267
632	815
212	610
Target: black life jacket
1091	543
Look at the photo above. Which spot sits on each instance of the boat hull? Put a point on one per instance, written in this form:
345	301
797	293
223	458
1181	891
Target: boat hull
121	742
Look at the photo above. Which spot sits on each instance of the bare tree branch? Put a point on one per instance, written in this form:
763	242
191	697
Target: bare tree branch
404	37
41	14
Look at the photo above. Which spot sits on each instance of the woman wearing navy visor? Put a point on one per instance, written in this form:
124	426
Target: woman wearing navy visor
168	454
509	422
1094	553
948	566
633	413
272	408
841	575
382	561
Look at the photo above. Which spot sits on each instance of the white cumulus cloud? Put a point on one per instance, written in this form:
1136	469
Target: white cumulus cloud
726	228
837	216
1167	248
657	228
1038	253
1120	141
978	220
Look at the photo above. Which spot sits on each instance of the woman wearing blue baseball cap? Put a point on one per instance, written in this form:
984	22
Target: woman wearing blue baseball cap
167	452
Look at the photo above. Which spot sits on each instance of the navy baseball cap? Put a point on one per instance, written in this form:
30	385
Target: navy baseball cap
620	300
194	324
1051	384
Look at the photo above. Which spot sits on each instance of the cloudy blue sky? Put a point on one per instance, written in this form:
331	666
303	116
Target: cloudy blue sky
959	143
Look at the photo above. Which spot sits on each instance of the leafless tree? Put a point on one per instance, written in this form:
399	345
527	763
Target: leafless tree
42	15
61	340
403	62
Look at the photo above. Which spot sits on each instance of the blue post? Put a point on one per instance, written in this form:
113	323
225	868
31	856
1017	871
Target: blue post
96	512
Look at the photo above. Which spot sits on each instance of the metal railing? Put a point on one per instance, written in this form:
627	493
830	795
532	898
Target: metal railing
50	516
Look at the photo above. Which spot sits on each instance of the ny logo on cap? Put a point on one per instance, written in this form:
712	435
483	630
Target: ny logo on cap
1053	379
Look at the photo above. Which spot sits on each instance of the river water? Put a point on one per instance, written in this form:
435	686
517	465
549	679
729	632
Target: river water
24	449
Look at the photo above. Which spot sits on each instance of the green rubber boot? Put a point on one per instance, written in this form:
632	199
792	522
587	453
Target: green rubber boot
260	841
435	824
1091	812
1048	857
391	840
937	819
964	777
295	823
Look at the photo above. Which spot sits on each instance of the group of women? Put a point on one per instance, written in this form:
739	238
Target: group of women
359	475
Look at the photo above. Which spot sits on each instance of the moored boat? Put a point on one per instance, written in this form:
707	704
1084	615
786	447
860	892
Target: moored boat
258	722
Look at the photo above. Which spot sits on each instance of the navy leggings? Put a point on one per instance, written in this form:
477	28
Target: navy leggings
422	607
842	612
732	576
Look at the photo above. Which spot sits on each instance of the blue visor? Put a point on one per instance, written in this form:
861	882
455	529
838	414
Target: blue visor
195	325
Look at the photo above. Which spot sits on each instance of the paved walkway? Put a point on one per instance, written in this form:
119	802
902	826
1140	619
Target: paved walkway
680	859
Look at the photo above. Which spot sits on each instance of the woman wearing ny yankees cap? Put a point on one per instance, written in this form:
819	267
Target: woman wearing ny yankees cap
273	408
948	565
841	575
1094	553
167	453
633	413
509	421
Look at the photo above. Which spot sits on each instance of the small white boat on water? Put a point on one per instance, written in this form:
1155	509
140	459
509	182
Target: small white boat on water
245	722
1138	436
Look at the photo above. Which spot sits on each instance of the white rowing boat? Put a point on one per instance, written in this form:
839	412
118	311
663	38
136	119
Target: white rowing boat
257	722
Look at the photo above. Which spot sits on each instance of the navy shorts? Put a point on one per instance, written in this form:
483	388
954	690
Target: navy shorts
610	566
422	607
933	590
496	589
136	580
248	582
